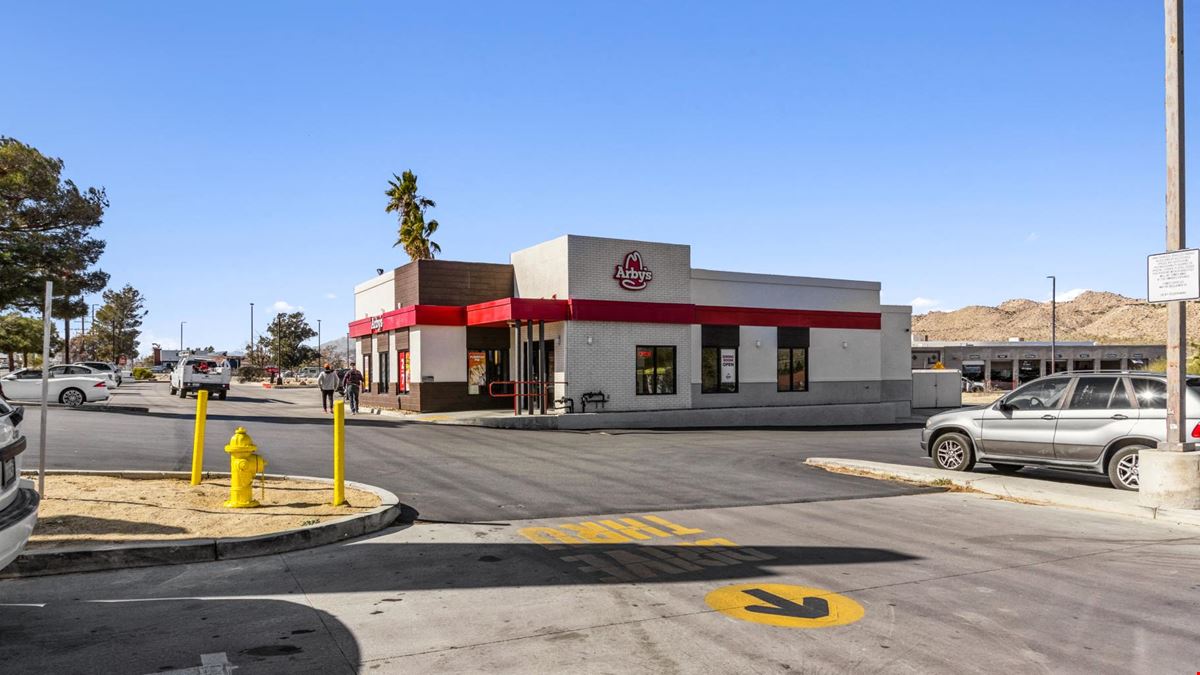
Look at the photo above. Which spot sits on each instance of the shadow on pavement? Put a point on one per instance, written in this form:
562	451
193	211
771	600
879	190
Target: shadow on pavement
148	636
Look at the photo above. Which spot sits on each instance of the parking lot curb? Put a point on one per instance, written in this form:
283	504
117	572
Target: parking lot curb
177	552
1014	488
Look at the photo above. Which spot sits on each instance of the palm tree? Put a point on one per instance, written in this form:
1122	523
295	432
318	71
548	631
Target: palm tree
414	234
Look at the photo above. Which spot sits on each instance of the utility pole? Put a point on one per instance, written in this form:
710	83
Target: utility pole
1170	475
250	347
181	335
320	360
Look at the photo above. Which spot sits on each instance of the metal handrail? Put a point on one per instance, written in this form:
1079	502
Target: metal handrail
516	395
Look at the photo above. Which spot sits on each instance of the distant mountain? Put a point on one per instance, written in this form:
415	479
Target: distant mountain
1093	315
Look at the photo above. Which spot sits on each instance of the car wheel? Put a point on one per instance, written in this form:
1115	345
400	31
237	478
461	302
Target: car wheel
952	452
173	391
1123	467
72	397
183	393
1007	468
221	396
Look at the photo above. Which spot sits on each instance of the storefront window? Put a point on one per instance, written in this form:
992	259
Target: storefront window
476	372
718	370
383	372
792	369
655	370
402	376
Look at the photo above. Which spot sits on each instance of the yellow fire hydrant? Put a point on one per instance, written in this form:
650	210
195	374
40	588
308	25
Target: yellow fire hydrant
243	465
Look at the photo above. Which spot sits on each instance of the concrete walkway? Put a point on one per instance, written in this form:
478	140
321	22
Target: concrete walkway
1017	488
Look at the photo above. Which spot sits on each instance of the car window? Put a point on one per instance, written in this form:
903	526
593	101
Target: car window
1038	395
1149	393
78	370
29	375
58	370
1098	393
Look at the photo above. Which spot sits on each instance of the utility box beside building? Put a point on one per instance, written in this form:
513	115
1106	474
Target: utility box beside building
936	388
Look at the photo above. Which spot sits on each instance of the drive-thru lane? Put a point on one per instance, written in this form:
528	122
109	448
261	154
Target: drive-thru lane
462	473
938	582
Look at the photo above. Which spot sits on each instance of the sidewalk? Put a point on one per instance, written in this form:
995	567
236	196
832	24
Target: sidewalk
1014	488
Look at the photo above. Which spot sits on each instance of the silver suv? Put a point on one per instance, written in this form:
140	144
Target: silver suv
1095	422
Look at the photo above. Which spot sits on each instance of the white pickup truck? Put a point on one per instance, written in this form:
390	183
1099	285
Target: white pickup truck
196	372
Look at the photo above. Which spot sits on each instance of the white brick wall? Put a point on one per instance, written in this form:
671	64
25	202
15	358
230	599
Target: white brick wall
439	352
593	260
608	363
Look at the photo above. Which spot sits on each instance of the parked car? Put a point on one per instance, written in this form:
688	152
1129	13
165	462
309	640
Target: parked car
971	385
159	369
308	373
18	499
106	367
1093	422
80	369
72	390
200	372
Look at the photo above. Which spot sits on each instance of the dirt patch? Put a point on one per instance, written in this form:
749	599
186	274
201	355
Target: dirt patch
103	509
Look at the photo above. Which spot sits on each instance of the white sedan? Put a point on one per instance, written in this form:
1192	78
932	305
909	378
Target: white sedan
69	388
88	371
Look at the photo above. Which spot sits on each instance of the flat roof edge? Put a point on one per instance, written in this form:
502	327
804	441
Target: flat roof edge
784	280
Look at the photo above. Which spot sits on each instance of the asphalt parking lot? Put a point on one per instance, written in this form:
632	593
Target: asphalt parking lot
632	552
460	473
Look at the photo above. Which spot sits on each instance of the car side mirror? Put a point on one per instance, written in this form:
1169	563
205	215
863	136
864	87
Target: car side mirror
17	415
1005	406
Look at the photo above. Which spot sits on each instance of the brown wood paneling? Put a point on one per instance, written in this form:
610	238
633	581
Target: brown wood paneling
449	282
406	285
487	338
401	339
366	343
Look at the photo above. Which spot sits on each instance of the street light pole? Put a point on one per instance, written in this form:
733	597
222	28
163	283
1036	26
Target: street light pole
319	357
1053	322
250	346
181	335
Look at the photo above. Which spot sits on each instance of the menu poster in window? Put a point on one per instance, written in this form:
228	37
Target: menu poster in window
476	371
402	369
729	365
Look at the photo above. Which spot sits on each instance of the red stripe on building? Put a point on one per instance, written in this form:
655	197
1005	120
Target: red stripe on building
499	312
794	318
413	315
631	312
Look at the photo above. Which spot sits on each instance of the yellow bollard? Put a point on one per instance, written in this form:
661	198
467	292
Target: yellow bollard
339	453
244	464
198	436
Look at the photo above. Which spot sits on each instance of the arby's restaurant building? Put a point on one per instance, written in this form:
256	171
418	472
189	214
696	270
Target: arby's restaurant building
623	326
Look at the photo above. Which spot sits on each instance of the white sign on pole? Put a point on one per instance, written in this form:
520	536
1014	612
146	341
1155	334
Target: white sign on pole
1173	276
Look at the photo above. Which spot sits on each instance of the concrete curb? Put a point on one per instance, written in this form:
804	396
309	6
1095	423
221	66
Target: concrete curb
1015	488
178	552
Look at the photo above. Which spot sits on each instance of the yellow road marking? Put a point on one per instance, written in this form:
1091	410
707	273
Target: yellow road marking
785	605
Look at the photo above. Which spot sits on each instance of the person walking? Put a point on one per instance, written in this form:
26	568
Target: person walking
327	381
352	383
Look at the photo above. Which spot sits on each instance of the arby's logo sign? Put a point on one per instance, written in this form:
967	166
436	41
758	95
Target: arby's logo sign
377	322
632	274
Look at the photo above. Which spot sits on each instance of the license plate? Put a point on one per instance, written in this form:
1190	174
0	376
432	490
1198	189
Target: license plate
8	472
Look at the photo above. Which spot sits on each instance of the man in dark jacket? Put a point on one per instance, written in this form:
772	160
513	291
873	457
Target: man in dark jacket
353	384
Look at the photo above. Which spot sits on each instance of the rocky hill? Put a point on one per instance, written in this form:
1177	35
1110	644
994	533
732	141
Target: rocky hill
1093	315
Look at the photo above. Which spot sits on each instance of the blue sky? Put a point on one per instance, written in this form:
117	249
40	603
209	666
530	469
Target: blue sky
956	152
